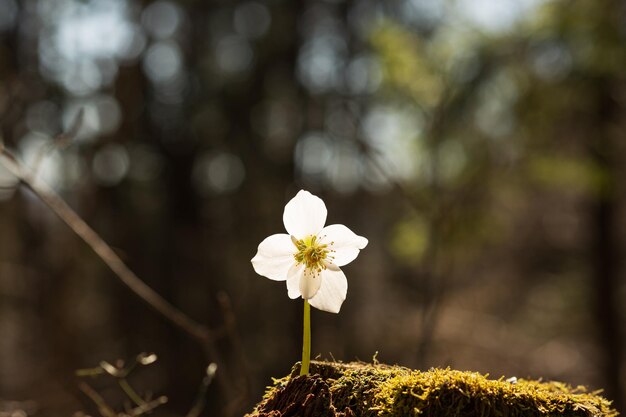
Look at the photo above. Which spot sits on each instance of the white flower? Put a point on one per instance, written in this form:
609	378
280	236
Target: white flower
309	257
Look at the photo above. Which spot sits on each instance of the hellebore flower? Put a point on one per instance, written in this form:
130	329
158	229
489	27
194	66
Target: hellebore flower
309	257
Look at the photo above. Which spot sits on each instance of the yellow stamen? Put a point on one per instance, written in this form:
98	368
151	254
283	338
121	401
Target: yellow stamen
314	254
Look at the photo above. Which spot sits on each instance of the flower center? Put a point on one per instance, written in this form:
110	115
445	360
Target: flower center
311	252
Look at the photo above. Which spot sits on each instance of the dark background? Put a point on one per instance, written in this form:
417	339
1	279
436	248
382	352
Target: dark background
478	145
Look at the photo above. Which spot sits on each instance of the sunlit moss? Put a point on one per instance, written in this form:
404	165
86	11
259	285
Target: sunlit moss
443	392
359	389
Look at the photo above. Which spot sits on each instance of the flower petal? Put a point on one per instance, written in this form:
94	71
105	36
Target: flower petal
310	283
332	293
294	276
304	215
344	242
274	257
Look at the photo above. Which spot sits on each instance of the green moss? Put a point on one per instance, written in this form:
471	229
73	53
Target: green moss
360	390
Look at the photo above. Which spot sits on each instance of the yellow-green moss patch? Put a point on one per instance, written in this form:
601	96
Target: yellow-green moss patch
376	390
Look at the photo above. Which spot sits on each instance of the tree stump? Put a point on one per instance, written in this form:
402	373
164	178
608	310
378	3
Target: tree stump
366	390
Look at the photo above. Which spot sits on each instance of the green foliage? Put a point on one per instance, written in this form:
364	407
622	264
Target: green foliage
407	66
568	173
361	389
409	240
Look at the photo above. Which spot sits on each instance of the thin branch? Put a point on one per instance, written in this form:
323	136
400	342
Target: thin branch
60	141
119	371
104	409
130	392
200	401
93	240
147	407
91	372
50	198
103	250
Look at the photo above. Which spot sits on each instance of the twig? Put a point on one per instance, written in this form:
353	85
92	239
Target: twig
93	240
147	407
120	372
130	392
200	401
103	250
104	409
59	141
49	197
92	372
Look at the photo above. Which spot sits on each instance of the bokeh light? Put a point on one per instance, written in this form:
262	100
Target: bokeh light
217	173
163	62
8	14
162	19
110	164
101	116
233	54
82	43
252	19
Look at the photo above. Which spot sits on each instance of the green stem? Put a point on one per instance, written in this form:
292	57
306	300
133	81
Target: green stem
306	340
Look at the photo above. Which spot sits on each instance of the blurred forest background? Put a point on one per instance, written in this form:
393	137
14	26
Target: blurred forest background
478	145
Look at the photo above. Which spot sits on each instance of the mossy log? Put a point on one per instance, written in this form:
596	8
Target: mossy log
367	390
